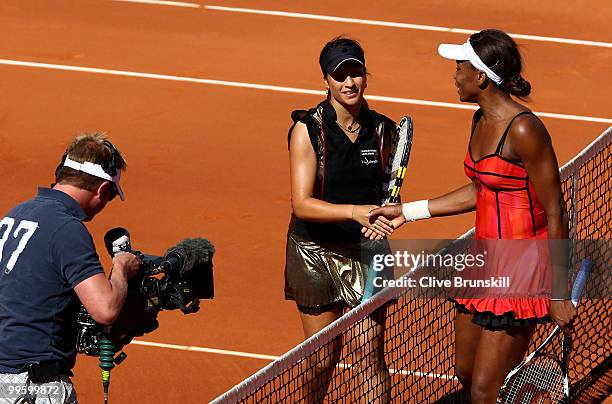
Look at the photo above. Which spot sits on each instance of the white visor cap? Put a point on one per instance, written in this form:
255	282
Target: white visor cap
97	171
466	52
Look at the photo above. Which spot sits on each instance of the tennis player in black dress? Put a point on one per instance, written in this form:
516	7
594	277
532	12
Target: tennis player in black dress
337	153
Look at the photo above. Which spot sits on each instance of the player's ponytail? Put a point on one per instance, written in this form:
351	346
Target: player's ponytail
501	54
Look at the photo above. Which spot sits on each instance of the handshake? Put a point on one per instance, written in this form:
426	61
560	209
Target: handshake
380	222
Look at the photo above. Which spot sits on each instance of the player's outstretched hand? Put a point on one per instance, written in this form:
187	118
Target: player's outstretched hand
381	222
392	213
360	215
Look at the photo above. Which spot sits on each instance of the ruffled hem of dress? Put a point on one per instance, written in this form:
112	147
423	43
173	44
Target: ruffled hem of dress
519	307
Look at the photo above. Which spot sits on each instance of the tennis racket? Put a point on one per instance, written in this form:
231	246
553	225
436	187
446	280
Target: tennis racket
398	161
542	376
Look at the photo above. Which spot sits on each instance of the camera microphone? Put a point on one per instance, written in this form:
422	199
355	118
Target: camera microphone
187	255
172	263
191	260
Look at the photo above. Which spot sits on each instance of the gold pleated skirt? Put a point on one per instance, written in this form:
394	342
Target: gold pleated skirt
321	275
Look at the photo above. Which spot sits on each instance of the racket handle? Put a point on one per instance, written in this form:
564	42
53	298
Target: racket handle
586	267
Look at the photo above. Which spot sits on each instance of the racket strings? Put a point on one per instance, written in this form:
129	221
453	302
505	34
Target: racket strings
398	160
540	381
399	143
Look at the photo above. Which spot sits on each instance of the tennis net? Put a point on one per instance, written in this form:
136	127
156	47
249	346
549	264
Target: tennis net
419	336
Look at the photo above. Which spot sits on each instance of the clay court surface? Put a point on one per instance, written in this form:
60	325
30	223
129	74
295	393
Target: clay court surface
207	159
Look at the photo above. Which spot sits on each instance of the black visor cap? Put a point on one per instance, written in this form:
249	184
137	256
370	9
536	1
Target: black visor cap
340	54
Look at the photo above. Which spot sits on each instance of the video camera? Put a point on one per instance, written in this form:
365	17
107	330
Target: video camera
176	280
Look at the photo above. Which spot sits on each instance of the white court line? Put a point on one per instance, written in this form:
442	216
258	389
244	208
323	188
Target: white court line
162	3
402	25
206	350
366	22
273	88
269	357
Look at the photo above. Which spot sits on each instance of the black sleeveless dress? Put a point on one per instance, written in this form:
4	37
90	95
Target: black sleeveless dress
325	262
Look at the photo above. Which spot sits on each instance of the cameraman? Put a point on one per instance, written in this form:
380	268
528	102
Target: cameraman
48	263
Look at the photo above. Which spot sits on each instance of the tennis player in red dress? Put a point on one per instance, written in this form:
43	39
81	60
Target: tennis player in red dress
516	191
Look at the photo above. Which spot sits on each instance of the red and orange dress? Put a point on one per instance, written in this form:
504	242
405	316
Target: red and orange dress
511	224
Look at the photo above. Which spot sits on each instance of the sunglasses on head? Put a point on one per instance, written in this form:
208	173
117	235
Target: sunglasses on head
111	169
110	166
113	193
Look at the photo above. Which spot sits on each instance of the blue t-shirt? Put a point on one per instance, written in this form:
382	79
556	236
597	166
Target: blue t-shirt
45	251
